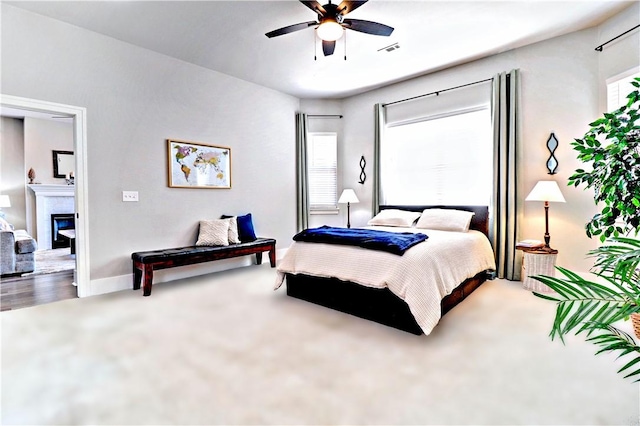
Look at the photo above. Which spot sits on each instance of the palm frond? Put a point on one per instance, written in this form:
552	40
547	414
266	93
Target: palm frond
612	339
592	308
582	303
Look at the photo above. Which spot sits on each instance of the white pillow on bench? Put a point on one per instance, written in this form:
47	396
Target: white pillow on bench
214	232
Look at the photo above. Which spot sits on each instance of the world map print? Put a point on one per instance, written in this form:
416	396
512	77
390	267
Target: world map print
197	165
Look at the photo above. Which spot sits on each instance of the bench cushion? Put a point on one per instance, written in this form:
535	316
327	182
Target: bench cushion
182	253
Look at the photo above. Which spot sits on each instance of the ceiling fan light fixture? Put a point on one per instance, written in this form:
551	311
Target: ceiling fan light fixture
330	30
331	23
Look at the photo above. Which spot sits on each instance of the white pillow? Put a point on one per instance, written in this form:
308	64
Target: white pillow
445	220
233	231
213	233
394	217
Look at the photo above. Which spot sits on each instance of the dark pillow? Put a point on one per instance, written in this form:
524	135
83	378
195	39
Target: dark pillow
245	227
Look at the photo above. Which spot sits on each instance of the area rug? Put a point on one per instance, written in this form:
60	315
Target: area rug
50	261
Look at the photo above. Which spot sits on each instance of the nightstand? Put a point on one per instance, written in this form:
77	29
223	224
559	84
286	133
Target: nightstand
538	262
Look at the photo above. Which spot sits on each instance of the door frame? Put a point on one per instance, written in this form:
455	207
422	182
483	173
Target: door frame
79	115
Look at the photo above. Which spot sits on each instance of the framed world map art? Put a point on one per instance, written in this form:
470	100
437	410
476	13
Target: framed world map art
198	165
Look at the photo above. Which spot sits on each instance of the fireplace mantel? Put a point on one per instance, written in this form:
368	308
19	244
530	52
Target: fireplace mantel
51	199
52	190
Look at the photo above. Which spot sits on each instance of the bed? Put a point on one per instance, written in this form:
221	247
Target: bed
409	292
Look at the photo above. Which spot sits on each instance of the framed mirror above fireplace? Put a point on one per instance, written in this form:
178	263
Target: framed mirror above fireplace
63	163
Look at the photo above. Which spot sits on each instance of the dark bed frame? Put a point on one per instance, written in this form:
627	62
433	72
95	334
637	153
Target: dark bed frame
381	305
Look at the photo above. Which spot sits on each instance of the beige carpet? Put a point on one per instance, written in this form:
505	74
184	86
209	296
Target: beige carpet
227	349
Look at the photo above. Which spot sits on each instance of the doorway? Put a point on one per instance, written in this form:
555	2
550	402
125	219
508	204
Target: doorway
78	114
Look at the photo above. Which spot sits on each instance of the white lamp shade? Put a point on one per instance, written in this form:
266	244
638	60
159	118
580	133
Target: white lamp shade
546	190
330	31
348	196
5	201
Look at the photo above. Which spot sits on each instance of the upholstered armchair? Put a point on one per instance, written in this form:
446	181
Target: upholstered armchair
17	252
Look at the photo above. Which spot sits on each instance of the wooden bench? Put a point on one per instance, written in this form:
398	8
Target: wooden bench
145	262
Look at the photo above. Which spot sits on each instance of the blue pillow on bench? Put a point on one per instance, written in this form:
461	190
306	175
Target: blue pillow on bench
245	227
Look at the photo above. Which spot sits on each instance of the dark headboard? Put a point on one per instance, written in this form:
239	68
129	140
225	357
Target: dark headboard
479	221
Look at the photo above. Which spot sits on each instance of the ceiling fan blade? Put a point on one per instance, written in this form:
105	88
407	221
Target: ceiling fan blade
349	6
315	6
328	47
291	28
368	27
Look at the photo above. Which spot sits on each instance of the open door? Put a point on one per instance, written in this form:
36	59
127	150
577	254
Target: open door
79	115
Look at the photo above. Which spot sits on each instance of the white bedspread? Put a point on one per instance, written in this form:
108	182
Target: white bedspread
424	275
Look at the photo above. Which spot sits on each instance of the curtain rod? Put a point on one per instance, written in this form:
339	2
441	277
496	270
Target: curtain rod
438	92
324	116
599	48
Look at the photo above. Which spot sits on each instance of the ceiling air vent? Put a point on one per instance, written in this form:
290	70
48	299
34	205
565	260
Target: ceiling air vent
390	48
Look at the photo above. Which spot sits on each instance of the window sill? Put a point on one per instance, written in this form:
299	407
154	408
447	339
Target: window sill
324	212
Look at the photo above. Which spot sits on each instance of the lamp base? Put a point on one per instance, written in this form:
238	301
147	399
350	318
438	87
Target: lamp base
547	237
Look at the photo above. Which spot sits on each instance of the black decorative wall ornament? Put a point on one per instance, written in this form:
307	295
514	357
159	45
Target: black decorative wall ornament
552	162
363	176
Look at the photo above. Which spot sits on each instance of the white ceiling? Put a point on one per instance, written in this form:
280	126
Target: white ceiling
228	36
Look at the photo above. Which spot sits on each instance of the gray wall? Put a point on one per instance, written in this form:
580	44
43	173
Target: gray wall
558	93
135	100
622	54
28	143
563	87
12	170
41	137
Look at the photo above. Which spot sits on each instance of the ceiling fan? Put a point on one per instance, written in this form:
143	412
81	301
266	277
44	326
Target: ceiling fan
331	23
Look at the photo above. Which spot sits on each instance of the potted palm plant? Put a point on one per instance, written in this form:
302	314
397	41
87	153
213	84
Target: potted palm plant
594	307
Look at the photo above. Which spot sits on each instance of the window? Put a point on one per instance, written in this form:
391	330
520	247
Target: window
445	159
322	167
618	88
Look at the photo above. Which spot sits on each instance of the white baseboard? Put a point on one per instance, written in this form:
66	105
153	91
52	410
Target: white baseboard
125	282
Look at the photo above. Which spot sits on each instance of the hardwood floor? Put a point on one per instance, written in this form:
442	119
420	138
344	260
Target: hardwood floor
19	292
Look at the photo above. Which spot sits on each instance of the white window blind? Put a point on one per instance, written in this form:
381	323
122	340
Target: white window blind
617	90
322	167
444	159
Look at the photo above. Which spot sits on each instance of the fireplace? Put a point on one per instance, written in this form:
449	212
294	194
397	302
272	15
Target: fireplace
50	199
60	221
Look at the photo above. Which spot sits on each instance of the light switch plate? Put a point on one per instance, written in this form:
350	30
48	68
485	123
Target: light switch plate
130	196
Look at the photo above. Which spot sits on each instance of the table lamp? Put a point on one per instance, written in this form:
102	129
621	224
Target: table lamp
547	191
348	196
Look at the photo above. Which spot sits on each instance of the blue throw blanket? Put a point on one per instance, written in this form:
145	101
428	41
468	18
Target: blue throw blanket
391	242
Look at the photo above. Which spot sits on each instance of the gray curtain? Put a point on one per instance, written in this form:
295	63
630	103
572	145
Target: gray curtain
379	119
302	189
504	212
